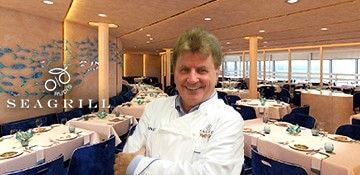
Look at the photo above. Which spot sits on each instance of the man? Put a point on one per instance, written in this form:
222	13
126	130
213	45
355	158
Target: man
194	132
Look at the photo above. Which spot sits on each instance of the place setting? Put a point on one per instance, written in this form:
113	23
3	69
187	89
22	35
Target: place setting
10	154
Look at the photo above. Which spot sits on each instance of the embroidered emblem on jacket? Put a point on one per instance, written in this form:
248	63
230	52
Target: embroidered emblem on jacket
151	129
206	132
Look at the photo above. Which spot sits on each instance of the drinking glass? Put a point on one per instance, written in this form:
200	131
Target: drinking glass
13	131
38	123
63	121
111	108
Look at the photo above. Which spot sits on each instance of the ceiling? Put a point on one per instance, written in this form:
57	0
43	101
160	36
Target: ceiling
285	25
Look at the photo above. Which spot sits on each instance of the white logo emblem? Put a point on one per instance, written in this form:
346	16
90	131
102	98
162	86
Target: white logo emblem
57	71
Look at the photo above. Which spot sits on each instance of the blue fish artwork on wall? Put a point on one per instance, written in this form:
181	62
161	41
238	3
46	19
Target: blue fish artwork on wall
24	79
83	54
18	66
7	83
12	93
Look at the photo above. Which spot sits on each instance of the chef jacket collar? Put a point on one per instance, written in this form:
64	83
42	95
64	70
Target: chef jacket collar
181	111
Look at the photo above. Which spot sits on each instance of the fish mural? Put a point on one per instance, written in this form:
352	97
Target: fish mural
83	56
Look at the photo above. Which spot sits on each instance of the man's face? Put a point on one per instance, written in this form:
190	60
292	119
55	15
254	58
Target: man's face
195	78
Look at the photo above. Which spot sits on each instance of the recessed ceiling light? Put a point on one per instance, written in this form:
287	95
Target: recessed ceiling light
291	1
229	49
261	31
151	38
148	35
324	29
265	42
207	19
134	46
147	42
48	2
228	43
102	15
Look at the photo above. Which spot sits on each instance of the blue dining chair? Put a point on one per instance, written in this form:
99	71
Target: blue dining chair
303	120
352	131
54	167
355	121
232	99
246	112
301	109
262	165
94	159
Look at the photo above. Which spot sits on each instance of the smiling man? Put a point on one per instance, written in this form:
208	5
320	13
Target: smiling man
194	132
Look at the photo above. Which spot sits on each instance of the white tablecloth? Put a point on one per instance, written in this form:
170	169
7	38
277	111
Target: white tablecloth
344	161
46	141
243	94
105	127
271	109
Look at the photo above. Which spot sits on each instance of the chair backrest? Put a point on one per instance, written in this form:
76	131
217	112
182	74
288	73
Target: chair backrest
124	138
355	121
54	167
268	92
356	102
303	120
284	99
22	125
262	165
246	112
116	100
352	131
232	99
74	113
301	109
297	98
94	159
284	92
223	96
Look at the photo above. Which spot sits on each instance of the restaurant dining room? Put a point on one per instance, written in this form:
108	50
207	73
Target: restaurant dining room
79	80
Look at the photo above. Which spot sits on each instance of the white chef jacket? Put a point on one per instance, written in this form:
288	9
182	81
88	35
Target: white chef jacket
207	141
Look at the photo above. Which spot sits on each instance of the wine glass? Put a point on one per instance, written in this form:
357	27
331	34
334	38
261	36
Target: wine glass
112	107
38	123
13	131
63	121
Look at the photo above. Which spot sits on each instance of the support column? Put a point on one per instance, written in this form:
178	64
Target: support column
253	48
289	66
243	62
162	74
321	66
168	66
103	59
264	60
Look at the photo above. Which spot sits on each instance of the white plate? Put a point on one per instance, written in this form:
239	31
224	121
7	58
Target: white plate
66	136
46	144
10	154
7	136
339	138
55	125
282	124
41	129
300	147
247	130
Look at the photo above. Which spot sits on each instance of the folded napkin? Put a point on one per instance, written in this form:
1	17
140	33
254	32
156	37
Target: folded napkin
39	151
316	160
86	139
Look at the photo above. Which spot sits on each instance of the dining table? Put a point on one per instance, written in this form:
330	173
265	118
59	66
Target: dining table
46	144
273	109
242	93
111	124
137	105
303	148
